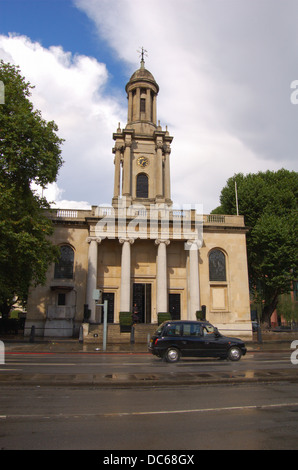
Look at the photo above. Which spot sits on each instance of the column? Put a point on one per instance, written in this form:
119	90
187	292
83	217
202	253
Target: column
117	152
137	116
148	105
167	173
159	173
92	274
154	109
194	281
125	287
127	170
130	109
161	276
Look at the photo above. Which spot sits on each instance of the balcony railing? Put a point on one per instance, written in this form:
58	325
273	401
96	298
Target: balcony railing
150	214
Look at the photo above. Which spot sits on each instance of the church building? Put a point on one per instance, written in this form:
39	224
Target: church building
142	254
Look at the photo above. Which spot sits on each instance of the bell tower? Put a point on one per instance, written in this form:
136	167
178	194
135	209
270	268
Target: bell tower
142	150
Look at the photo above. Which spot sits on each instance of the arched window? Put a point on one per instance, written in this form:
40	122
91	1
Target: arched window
142	185
217	266
64	267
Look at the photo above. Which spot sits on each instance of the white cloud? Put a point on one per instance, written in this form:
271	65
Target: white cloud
224	69
71	91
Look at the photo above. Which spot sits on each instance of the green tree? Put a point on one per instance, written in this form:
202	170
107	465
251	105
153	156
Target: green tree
268	201
29	152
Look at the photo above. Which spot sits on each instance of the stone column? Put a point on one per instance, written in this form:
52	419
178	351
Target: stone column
137	116
92	274
159	172
194	281
154	109
125	287
127	170
130	104
117	151
167	173
161	277
148	105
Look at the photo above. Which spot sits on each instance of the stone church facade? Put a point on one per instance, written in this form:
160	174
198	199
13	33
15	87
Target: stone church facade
143	253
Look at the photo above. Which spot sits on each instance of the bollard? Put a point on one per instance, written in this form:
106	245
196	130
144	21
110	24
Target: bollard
81	335
32	334
132	334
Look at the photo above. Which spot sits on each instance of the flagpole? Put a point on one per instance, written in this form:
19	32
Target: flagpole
236	195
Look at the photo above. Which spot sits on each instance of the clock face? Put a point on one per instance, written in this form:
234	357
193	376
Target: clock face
143	162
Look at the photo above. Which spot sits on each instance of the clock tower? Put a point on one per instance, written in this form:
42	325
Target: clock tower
142	150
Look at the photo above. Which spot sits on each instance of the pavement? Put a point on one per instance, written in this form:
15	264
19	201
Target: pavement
165	376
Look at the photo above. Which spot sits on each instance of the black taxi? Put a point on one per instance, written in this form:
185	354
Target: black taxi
175	339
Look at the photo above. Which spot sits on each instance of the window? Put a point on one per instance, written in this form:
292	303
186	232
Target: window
217	266
61	299
64	267
142	185
208	330
143	105
173	330
191	329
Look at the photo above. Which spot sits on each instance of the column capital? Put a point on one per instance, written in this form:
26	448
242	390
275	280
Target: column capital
130	240
158	241
193	244
118	147
93	239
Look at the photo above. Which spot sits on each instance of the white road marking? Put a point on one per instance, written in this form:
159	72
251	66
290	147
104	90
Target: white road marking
142	413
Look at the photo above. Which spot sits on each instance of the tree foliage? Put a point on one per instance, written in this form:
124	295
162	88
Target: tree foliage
268	201
29	153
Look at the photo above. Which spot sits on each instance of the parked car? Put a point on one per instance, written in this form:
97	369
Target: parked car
174	339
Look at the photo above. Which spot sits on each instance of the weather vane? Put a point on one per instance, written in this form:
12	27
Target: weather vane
142	53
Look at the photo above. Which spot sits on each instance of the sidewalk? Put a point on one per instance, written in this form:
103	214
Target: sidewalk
70	345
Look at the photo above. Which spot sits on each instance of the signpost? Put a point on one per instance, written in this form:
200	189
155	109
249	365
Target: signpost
97	296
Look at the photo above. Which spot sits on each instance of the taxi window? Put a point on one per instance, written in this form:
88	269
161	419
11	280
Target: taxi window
172	330
208	330
191	329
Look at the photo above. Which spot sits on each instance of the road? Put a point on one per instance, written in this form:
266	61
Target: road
140	369
193	416
254	416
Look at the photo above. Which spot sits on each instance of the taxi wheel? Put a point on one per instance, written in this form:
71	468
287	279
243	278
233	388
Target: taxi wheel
172	355
234	353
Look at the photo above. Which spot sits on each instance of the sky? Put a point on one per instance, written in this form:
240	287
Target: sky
224	68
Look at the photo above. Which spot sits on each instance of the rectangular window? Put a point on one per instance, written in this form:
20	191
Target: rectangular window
61	299
143	105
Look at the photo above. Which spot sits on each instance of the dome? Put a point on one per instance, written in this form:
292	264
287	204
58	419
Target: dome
142	75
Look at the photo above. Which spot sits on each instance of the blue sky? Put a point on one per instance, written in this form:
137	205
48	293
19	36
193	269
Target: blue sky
59	22
224	68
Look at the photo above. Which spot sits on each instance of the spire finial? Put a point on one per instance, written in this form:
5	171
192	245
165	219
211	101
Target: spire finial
142	53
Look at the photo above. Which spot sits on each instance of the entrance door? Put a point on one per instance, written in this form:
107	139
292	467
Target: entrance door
174	306
141	302
109	296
